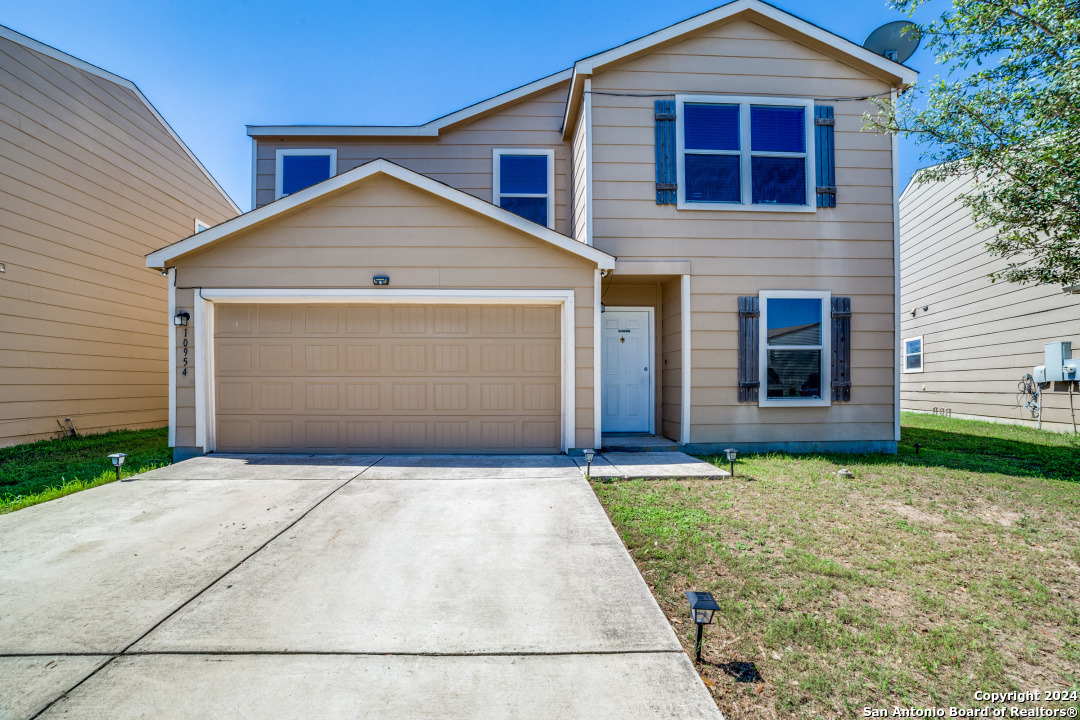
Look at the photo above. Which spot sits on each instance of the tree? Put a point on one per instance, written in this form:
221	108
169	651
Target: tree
1007	114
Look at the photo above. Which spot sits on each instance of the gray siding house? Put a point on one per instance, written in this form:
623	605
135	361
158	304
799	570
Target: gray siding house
966	343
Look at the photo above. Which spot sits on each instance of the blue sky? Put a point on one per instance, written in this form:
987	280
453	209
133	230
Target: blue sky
213	66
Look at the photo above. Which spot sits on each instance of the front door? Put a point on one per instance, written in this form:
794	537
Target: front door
626	360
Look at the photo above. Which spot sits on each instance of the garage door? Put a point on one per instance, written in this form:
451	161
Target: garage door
387	378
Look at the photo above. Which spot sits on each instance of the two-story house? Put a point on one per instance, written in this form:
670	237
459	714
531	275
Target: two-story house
92	178
688	235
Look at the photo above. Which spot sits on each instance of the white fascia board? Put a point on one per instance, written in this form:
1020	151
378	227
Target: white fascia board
338	183
429	129
589	65
49	51
342	131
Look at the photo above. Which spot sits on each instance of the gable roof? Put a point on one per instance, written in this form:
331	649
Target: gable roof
429	129
770	16
896	73
49	51
350	179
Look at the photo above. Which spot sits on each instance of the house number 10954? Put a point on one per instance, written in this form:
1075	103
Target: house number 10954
185	352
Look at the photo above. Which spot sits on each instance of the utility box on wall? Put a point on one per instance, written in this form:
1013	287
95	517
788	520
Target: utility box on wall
1060	367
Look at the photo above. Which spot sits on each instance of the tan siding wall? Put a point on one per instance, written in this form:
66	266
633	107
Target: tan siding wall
460	157
979	338
418	239
89	183
671	353
580	179
847	250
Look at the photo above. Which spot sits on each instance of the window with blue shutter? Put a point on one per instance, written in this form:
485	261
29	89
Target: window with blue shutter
824	125
742	152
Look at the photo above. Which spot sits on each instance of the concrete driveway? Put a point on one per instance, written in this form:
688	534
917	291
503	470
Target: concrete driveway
334	587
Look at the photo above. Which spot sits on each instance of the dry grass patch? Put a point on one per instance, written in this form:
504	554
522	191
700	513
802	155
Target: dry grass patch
916	583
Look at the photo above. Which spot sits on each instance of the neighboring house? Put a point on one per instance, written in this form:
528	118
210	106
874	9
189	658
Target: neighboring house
594	252
93	178
967	342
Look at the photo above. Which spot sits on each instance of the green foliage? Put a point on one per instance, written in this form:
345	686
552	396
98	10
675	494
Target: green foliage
1007	114
39	471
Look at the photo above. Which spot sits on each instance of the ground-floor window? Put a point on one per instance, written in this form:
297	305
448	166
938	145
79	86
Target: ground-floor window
794	360
913	354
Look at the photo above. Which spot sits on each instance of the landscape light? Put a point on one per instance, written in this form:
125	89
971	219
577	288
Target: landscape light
589	454
731	453
702	608
117	461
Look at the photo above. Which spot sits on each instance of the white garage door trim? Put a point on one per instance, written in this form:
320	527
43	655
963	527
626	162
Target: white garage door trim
205	430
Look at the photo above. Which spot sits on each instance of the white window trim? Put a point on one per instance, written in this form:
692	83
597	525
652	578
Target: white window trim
497	196
201	225
746	190
826	349
282	153
904	354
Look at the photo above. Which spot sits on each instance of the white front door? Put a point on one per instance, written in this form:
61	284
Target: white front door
625	357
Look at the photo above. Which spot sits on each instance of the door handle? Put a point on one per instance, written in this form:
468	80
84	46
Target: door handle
646	370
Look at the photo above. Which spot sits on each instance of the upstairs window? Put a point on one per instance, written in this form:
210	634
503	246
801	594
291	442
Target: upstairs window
523	182
913	355
796	350
301	168
745	153
201	225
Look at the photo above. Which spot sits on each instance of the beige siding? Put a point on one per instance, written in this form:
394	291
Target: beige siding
847	250
90	181
385	226
671	368
580	180
979	338
460	157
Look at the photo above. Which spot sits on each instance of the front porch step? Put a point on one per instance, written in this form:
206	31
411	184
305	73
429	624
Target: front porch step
637	444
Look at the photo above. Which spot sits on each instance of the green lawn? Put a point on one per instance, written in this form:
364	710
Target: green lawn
35	472
921	580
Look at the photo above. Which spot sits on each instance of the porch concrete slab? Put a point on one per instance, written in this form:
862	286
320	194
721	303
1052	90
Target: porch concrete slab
264	467
28	684
94	571
466	467
431	566
638	443
657	466
195	687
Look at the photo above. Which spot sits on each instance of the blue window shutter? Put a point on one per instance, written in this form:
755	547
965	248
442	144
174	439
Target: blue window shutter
824	124
665	152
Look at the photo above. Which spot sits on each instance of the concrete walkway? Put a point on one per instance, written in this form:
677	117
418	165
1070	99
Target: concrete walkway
334	587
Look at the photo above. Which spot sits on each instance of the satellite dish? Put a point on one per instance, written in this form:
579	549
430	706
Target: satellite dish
894	40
